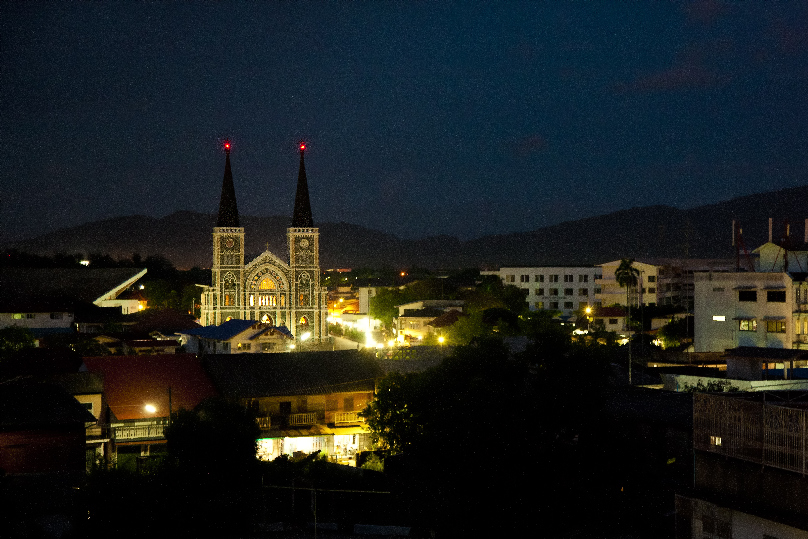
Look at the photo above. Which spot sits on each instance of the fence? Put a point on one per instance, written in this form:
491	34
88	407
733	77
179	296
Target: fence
761	432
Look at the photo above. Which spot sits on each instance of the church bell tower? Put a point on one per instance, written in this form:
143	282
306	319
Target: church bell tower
308	299
228	254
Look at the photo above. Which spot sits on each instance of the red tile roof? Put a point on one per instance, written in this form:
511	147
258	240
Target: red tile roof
131	382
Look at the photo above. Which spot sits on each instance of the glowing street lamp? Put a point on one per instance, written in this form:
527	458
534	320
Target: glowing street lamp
150	408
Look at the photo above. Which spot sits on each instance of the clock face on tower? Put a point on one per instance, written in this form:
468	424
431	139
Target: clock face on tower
229	242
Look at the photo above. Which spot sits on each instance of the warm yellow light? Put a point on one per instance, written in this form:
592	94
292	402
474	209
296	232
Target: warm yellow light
305	336
441	339
291	346
150	408
403	273
589	310
341	300
391	343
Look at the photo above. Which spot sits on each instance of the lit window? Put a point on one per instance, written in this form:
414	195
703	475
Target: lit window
719	318
776	326
747	325
715	440
267	284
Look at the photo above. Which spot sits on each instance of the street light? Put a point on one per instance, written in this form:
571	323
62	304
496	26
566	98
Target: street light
588	311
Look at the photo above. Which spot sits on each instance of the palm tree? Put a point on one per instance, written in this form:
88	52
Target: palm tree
627	276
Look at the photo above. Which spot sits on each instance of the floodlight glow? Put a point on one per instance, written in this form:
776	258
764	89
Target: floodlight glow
391	343
291	346
441	339
150	408
305	336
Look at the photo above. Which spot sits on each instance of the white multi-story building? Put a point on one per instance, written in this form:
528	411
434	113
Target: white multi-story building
666	282
555	288
768	310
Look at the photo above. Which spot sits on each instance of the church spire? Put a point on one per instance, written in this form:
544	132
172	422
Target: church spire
228	211
302	214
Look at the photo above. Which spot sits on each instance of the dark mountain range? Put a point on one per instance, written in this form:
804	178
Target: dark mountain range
647	232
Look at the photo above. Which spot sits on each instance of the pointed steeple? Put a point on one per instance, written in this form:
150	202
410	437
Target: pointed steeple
301	218
228	211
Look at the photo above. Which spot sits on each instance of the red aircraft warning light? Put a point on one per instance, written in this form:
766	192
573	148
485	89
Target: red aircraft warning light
227	146
302	146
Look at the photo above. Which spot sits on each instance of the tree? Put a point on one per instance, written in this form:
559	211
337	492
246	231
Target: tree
627	275
675	332
13	339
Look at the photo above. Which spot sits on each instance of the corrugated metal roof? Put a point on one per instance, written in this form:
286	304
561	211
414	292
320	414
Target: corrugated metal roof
296	373
131	382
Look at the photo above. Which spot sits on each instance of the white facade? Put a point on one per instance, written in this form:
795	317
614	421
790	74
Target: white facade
555	288
38	320
767	310
668	281
611	293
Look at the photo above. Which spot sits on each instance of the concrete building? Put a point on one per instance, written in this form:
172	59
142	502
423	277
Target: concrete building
667	281
737	309
568	290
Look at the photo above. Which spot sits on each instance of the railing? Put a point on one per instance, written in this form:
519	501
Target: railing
303	419
348	417
138	431
264	423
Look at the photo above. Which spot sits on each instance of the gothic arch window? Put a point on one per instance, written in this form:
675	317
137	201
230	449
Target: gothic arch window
304	290
267	284
304	321
266	319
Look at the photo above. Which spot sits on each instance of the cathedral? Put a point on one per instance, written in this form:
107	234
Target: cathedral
267	289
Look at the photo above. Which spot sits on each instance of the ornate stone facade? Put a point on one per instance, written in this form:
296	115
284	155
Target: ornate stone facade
267	289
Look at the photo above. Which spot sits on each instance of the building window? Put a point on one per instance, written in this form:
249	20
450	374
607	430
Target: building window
540	291
715	440
568	291
652	278
583	278
597	290
30	315
539	278
747	325
719	318
16	316
553	278
539	305
775	326
718	289
747	295
568	305
776	296
612	321
569	278
554	305
524	278
510	278
554	291
56	316
652	290
583	292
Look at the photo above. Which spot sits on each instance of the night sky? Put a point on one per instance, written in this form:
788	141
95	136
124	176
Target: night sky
421	117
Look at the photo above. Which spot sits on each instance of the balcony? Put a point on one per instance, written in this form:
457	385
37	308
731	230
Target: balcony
264	423
297	420
346	418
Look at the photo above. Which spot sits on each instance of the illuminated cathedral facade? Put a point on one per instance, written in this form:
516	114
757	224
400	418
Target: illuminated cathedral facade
268	289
